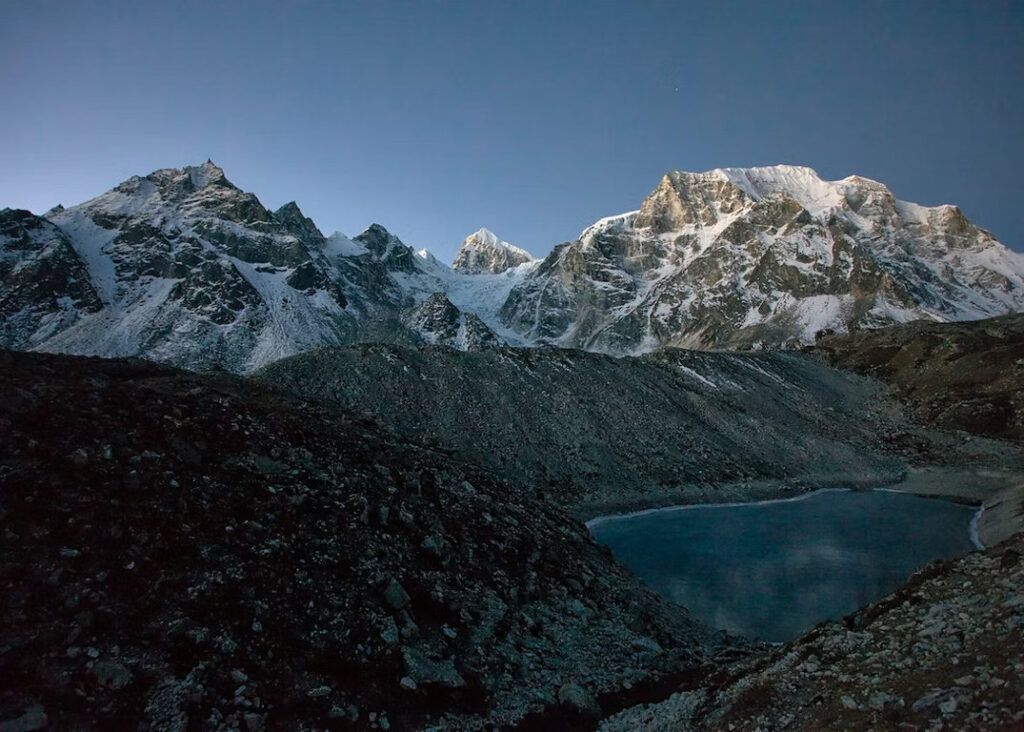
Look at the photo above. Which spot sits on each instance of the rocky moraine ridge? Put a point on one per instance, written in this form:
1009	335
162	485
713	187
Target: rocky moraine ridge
961	375
181	266
599	434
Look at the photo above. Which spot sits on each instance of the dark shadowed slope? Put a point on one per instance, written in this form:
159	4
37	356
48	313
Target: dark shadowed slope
601	433
967	376
182	547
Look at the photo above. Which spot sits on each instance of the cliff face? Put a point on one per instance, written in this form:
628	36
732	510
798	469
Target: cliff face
44	286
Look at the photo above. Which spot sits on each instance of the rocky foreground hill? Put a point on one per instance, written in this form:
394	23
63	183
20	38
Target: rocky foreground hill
183	551
182	266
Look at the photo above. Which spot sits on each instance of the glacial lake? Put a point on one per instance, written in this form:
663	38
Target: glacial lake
776	569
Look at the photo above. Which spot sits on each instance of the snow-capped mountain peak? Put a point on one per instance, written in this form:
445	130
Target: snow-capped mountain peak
182	266
486	237
206	174
483	252
800	183
750	257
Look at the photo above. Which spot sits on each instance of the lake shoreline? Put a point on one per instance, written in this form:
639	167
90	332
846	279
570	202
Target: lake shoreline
999	496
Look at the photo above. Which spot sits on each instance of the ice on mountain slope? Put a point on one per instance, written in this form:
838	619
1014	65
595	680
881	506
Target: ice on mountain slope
182	266
481	294
797	182
89	241
339	245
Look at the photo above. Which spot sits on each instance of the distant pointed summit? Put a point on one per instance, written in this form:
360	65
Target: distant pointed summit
482	252
206	174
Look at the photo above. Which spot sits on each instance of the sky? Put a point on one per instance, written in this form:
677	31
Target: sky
533	119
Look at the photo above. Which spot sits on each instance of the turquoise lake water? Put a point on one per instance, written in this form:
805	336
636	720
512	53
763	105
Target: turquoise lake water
775	570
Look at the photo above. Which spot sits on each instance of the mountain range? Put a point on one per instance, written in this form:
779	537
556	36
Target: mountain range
182	266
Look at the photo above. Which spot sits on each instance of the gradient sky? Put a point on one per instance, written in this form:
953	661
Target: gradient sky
531	118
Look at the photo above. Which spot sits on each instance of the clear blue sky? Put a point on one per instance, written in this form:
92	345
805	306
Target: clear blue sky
531	118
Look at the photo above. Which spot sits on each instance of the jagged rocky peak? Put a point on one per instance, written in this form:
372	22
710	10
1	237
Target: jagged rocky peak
436	321
685	199
482	252
181	266
194	192
388	248
291	217
178	183
377	239
207	174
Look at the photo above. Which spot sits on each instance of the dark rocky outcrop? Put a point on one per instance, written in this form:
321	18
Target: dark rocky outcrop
437	322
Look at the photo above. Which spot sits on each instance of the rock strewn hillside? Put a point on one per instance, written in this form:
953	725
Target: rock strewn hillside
600	433
182	550
967	376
